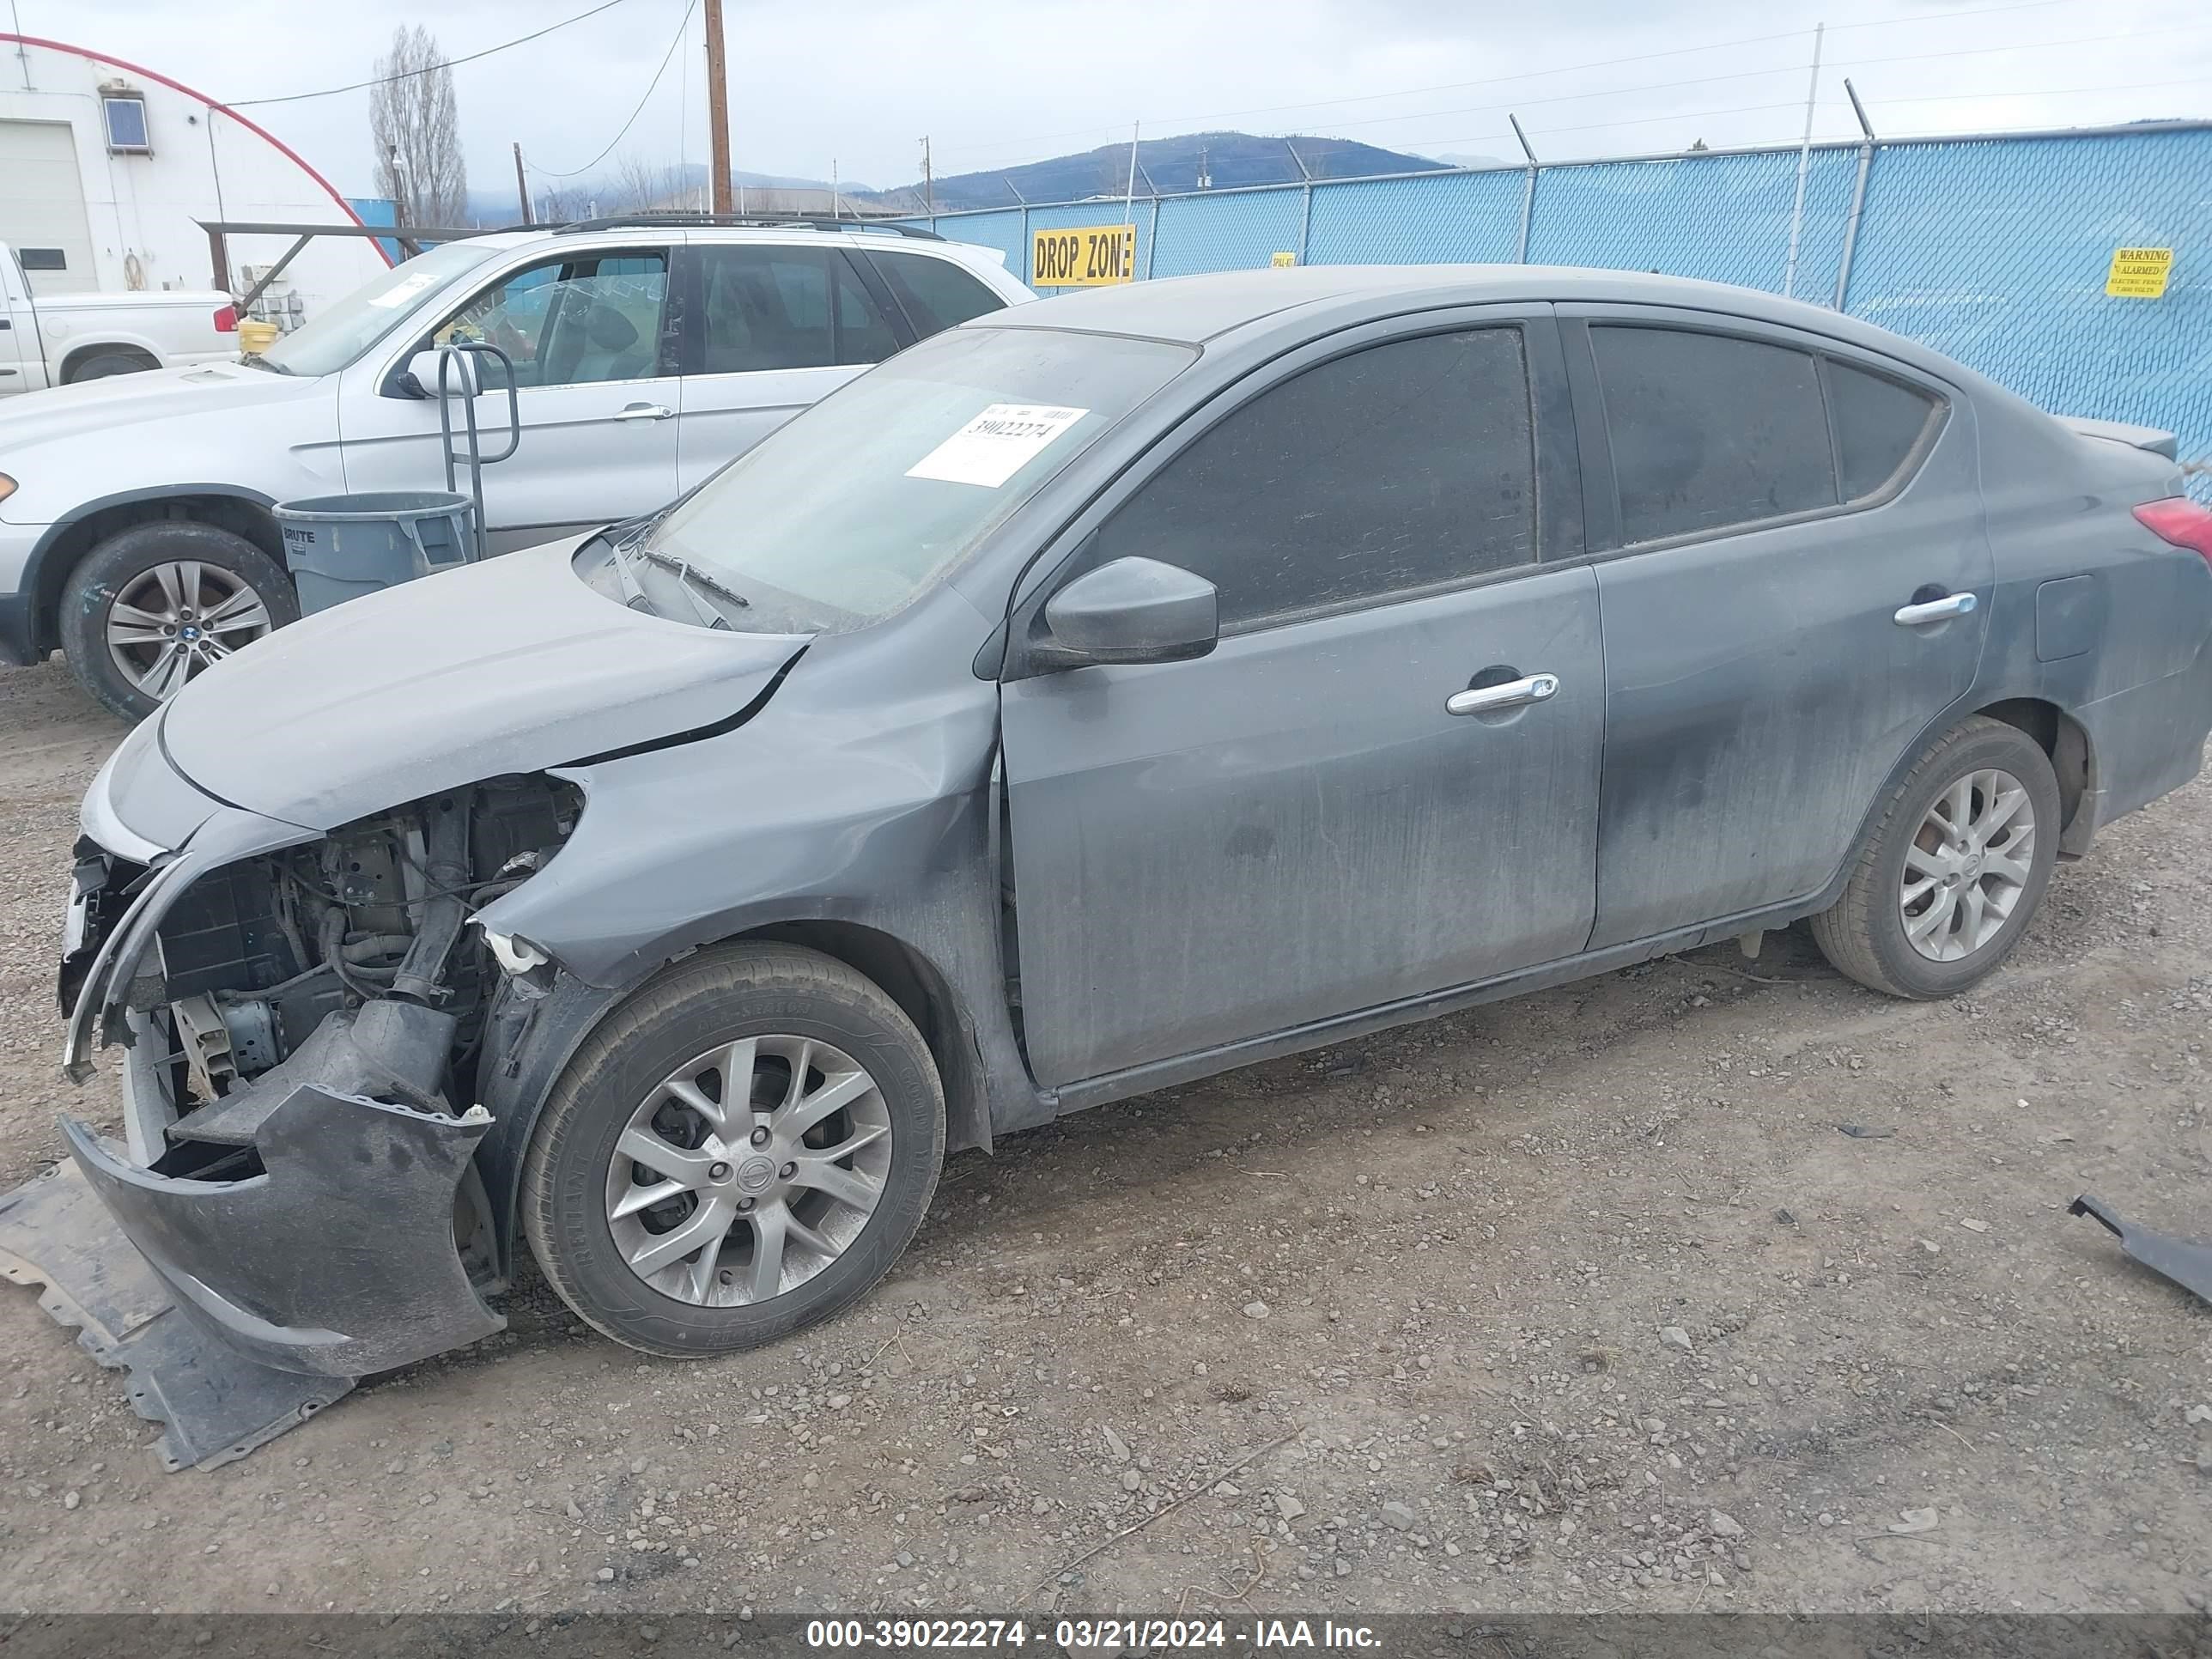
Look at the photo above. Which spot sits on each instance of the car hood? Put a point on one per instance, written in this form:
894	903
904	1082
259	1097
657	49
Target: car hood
511	666
99	407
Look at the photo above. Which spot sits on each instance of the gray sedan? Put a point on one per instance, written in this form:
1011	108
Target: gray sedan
1103	693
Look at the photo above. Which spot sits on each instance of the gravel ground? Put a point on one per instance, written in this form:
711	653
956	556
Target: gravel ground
1578	1302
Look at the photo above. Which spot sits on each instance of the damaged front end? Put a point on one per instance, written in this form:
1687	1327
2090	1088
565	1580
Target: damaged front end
301	1017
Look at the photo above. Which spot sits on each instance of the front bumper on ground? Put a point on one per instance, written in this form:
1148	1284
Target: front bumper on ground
338	1259
249	1261
215	1404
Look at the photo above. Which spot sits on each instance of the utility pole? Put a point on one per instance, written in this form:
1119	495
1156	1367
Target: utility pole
1804	163
928	178
717	112
403	209
521	189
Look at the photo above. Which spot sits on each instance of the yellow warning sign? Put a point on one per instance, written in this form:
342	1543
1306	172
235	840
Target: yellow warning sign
1282	260
1086	256
2139	273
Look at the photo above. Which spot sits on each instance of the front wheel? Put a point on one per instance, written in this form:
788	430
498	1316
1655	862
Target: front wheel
742	1148
1955	867
151	606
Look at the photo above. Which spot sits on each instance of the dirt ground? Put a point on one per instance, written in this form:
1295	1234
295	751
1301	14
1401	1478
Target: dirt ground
1583	1301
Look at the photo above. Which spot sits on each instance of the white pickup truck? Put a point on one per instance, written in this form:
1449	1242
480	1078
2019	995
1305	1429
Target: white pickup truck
62	338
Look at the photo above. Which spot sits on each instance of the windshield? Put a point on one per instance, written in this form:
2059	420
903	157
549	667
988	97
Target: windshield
337	334
845	513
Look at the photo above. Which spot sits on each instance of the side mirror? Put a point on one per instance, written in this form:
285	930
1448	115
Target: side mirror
462	379
1131	611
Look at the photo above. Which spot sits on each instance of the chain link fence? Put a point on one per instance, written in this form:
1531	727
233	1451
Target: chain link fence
1992	250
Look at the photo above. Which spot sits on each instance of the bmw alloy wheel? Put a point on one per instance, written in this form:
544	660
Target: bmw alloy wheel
174	619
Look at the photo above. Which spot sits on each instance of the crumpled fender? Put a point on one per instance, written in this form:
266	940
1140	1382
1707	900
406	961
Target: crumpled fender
339	1258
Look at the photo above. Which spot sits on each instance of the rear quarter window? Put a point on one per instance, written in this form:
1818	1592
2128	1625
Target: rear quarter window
1880	423
935	293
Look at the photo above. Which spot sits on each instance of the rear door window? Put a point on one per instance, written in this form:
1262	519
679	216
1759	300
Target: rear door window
786	307
1879	425
1709	431
935	293
1400	468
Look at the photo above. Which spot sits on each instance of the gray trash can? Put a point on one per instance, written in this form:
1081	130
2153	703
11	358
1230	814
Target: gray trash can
339	547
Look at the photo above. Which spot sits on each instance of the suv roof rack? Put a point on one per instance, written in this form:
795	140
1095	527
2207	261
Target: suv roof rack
744	221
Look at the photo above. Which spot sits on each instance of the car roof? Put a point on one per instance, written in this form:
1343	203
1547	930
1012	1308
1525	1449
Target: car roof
976	258
643	228
1194	310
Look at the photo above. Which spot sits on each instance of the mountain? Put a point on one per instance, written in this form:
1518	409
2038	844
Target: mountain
626	188
1216	160
1195	161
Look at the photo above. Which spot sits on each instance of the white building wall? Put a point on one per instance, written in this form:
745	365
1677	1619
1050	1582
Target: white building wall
206	163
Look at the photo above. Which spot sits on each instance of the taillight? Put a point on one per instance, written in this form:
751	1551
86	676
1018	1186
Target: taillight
2181	521
225	320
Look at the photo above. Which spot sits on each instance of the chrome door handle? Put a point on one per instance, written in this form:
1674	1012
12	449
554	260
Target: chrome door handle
645	412
1488	699
1935	610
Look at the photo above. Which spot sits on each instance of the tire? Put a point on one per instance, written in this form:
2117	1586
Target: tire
229	577
575	1177
101	366
1869	933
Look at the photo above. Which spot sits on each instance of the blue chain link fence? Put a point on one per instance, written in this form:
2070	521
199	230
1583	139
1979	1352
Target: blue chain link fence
1993	250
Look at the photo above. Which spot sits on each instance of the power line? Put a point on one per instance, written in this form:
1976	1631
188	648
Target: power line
2046	92
1006	145
1415	92
1749	109
387	80
1786	68
1636	121
683	26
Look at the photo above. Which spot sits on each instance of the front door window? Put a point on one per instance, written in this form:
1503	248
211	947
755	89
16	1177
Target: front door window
577	321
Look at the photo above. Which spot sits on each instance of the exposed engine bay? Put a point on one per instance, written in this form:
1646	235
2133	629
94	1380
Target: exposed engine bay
346	961
297	1201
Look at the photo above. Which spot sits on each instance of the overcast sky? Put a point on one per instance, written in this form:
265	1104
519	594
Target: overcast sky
995	83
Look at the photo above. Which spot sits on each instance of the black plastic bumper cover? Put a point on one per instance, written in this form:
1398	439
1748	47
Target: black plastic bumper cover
214	1403
2187	1262
339	1260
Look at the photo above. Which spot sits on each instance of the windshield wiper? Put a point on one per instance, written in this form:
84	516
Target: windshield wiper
632	546
640	528
255	360
689	574
622	547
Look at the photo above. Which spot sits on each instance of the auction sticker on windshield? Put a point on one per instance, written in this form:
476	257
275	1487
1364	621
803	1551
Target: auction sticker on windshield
997	444
404	289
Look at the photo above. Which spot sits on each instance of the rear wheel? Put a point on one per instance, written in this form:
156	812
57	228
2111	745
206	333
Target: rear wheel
153	605
101	365
743	1148
1955	867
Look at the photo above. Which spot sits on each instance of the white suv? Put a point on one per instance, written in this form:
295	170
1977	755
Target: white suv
135	529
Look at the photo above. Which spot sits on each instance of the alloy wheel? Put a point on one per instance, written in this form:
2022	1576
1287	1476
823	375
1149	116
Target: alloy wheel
171	620
748	1170
1968	866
